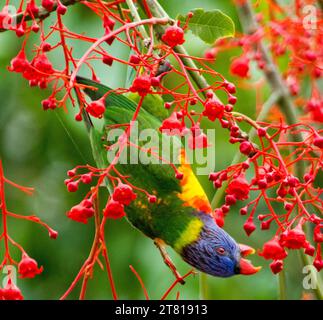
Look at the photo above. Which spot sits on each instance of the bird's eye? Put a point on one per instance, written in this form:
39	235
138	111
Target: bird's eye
220	250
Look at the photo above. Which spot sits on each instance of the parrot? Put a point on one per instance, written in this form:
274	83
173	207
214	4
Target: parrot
181	217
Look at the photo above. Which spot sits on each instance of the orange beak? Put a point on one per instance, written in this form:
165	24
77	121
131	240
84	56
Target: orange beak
245	266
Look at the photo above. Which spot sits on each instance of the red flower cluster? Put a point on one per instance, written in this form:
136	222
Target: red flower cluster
239	188
122	196
82	212
37	72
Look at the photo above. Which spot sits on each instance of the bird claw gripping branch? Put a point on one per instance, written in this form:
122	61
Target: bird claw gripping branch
166	201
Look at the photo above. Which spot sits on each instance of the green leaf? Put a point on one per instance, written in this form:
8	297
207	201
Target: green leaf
209	25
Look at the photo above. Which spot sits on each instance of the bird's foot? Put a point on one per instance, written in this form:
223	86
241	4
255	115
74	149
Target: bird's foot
167	260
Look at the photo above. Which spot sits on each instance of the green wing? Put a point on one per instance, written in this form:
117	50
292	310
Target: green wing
167	218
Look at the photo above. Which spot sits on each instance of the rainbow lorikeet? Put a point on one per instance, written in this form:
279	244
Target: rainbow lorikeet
181	216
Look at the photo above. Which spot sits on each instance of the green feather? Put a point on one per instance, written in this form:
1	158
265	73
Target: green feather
168	219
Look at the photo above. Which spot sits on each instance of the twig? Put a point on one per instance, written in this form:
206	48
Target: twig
42	13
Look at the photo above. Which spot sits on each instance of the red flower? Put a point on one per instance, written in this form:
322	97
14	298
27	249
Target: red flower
141	85
82	212
19	63
293	238
123	194
276	266
28	267
173	36
273	250
10	292
213	109
96	108
239	188
240	67
114	210
172	125
42	64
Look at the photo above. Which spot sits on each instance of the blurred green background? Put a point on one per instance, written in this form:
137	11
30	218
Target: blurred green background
37	148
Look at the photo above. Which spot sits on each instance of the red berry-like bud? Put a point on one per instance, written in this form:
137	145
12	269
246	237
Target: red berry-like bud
262	183
20	31
310	55
78	117
173	36
309	249
71	173
318	262
232	99
231	88
276	266
240	67
108	60
261	132
249	227
167	105
288	206
134	59
61	9
245	147
318	235
210	95
265	225
213	176
225	209
152	199
318	142
46	47
179	175
72	186
219	217
48	4
155	81
86	178
243	211
228	108
230	200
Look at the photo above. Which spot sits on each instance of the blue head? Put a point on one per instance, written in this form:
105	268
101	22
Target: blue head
216	253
